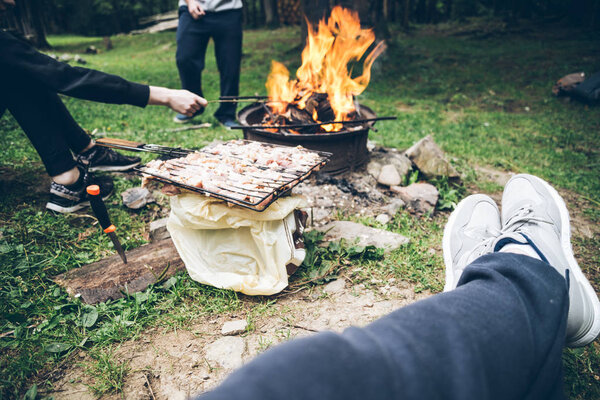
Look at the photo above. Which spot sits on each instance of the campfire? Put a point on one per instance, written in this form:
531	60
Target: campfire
318	109
324	90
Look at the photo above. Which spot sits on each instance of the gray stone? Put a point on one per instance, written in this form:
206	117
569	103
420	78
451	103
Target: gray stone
366	236
231	328
136	198
389	176
430	159
371	145
393	206
402	163
158	230
79	60
227	351
65	58
318	215
419	197
336	286
383	219
374	168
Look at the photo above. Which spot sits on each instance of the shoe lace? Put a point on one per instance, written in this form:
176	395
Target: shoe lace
522	216
490	233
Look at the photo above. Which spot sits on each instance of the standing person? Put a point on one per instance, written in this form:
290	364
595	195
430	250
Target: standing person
199	20
29	83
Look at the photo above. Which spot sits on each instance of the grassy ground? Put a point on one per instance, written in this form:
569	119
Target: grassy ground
486	101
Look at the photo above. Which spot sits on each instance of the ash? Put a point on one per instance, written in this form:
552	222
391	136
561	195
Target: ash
353	192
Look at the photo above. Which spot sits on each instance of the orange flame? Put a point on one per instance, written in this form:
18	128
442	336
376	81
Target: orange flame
336	43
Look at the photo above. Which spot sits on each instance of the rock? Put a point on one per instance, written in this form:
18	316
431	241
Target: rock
393	206
79	60
371	145
231	328
389	176
430	159
419	197
65	58
136	198
318	215
158	230
383	219
227	351
366	236
374	168
336	286
402	163
91	50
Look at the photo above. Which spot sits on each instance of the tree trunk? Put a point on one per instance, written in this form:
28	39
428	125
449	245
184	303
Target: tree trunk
406	14
26	20
270	8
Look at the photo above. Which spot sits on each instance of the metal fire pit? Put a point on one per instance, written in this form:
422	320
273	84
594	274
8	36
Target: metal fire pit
348	146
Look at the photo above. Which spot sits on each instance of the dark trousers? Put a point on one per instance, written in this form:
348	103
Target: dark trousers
499	335
192	39
45	120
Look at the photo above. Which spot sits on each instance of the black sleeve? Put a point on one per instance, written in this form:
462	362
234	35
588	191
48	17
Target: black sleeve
19	59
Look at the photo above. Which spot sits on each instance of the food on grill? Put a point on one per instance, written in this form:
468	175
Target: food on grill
240	170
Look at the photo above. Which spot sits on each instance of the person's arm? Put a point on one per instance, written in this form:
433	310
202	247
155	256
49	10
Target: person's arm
21	60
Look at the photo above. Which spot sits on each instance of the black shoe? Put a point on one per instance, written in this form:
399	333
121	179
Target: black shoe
70	198
100	158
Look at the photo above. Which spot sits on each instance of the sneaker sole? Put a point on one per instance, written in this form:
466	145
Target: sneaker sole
450	284
114	168
77	207
575	271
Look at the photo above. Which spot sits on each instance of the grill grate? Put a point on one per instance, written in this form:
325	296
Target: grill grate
257	198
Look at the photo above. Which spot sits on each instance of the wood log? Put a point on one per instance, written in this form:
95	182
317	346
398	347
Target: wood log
110	279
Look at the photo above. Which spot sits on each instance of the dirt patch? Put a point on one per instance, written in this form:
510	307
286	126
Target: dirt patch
175	364
23	185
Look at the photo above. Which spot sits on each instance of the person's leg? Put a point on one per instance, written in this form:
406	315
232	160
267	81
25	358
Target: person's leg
54	134
228	52
192	40
48	125
499	335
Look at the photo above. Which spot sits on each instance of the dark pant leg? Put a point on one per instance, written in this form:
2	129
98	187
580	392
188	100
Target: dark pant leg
192	40
499	335
227	35
46	122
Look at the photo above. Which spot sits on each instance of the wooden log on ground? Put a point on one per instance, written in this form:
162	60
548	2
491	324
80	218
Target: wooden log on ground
109	278
160	27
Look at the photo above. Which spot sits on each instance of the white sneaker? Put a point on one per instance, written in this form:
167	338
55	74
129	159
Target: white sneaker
469	234
534	214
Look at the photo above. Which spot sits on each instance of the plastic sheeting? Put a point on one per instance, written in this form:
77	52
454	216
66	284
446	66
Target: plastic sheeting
232	247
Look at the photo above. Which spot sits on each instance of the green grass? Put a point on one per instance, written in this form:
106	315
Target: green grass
486	102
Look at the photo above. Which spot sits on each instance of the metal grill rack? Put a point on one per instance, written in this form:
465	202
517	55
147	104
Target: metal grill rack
257	199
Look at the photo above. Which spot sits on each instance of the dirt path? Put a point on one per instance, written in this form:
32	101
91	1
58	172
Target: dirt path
183	363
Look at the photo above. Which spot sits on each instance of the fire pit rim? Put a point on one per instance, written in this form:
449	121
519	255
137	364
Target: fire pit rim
244	112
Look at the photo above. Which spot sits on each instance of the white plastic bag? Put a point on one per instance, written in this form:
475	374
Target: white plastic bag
233	247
